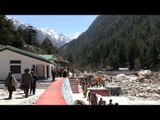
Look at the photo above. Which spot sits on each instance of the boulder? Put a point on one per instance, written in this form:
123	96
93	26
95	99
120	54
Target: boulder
121	77
132	78
144	73
154	90
148	89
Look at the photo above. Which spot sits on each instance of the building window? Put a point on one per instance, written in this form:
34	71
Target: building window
15	61
15	68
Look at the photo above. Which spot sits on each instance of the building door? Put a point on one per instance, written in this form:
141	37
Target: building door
47	68
40	70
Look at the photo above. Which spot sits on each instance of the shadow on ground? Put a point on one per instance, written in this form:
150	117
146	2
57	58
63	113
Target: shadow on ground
5	99
19	93
22	97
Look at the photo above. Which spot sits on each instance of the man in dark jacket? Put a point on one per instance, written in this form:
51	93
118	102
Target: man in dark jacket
33	83
65	73
53	74
26	81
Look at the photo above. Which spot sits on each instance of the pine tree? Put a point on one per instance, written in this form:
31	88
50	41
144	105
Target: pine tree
6	31
18	41
122	54
70	58
154	52
47	46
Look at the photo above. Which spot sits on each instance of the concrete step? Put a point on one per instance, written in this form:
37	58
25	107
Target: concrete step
74	85
73	82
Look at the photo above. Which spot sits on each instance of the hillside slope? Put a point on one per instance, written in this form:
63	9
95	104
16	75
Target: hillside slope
119	41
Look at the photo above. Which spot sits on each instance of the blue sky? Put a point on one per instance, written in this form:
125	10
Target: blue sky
69	25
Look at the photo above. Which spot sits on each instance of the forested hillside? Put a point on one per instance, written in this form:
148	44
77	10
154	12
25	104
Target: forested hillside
24	39
118	41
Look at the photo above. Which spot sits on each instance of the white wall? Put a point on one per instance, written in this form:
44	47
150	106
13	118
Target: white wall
26	62
39	71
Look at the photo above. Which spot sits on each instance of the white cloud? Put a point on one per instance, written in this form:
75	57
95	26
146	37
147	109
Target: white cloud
75	35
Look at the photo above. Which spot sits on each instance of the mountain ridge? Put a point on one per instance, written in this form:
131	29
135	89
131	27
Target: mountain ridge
57	39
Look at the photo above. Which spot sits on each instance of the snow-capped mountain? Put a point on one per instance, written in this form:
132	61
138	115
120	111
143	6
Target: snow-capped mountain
18	23
57	39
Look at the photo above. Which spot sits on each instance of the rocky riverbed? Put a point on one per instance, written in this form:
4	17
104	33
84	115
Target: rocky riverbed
134	87
143	86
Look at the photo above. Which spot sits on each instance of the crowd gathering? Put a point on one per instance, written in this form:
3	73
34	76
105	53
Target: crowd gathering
94	81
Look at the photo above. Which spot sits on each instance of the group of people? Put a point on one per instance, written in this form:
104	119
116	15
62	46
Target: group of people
92	81
92	97
62	72
93	100
102	102
59	73
28	82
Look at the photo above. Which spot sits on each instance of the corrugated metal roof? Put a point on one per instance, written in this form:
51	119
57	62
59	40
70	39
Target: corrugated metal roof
26	53
47	57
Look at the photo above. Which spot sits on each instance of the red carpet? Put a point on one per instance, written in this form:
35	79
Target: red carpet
52	95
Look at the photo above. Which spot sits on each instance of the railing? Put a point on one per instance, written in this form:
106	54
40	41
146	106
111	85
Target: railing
67	92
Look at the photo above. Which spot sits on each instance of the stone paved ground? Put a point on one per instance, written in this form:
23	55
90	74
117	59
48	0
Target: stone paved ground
18	95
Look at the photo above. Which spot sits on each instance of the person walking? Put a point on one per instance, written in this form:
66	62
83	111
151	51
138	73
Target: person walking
61	72
33	83
90	97
53	74
11	83
65	73
85	91
26	81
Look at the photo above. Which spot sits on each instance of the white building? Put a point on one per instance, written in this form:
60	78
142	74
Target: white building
17	60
